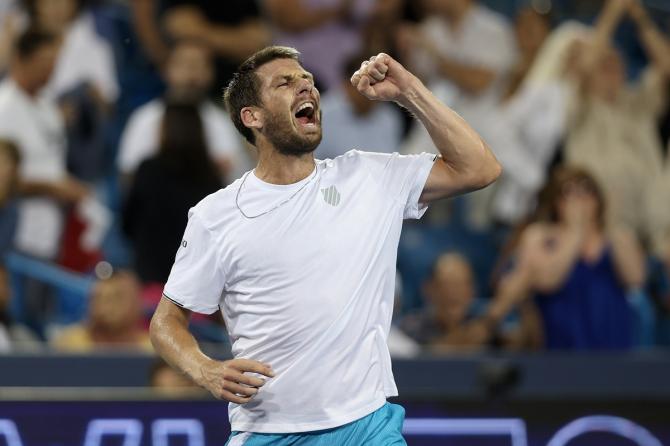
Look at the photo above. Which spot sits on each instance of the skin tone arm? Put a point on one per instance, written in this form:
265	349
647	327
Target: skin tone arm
628	258
236	42
224	379
467	162
68	190
293	16
470	78
655	44
145	26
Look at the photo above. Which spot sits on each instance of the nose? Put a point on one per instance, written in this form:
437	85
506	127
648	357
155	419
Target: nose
305	86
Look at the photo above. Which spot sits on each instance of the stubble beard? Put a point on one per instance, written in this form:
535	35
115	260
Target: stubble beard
286	140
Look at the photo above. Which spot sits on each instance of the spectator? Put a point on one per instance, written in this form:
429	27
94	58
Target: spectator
114	319
611	130
232	30
85	58
189	74
452	319
530	124
83	82
34	124
579	267
356	122
465	51
312	26
164	188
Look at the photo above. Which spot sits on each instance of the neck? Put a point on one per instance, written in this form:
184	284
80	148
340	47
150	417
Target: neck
24	83
275	168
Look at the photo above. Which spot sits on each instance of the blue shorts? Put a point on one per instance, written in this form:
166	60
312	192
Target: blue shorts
382	427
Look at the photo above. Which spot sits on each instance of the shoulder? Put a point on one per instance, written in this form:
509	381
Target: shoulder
218	210
152	110
209	110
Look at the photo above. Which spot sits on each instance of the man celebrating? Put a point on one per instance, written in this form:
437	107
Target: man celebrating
299	254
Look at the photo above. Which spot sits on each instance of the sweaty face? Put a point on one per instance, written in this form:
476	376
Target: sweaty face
292	119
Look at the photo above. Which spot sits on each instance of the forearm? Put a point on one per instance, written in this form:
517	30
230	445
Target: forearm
628	258
655	44
144	25
607	22
549	275
173	341
467	163
472	79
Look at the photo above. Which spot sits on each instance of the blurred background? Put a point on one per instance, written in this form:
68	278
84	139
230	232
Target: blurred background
534	312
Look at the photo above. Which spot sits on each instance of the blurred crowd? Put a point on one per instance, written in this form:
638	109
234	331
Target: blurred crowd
111	128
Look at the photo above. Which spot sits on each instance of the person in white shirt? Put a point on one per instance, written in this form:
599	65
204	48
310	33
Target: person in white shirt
300	254
353	120
189	73
464	51
34	124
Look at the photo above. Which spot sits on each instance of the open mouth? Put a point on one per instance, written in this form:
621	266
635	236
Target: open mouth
305	114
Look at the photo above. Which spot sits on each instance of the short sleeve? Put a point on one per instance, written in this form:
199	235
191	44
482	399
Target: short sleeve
196	280
402	177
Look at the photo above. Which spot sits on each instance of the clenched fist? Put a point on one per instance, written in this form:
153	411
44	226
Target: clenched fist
382	78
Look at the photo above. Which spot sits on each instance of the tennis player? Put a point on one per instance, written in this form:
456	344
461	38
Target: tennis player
300	255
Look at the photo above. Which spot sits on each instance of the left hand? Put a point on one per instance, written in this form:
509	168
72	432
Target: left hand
381	78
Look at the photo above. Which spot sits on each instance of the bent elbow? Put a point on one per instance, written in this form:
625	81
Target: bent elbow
488	175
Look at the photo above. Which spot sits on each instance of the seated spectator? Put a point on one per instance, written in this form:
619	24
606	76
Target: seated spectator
34	123
578	266
169	382
465	52
114	319
611	128
452	320
355	122
189	75
164	188
530	124
83	82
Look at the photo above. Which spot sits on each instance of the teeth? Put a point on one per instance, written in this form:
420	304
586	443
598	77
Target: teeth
305	105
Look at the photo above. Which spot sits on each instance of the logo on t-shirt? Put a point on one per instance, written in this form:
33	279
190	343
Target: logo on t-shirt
331	195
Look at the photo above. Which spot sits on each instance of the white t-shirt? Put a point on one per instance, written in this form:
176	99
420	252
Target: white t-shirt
140	138
36	127
85	57
307	287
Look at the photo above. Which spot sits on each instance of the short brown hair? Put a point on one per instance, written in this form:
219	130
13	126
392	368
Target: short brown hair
243	90
550	195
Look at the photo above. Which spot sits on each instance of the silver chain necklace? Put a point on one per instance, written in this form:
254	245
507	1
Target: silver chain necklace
244	179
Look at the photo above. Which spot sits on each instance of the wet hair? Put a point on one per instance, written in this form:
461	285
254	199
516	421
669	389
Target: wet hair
183	147
243	90
32	40
550	195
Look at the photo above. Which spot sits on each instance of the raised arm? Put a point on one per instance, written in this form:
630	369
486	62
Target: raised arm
466	161
224	379
235	42
294	16
655	44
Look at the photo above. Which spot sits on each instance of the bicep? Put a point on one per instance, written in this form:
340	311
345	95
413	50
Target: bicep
169	315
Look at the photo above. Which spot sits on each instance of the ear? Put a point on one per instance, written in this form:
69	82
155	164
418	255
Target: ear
252	117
